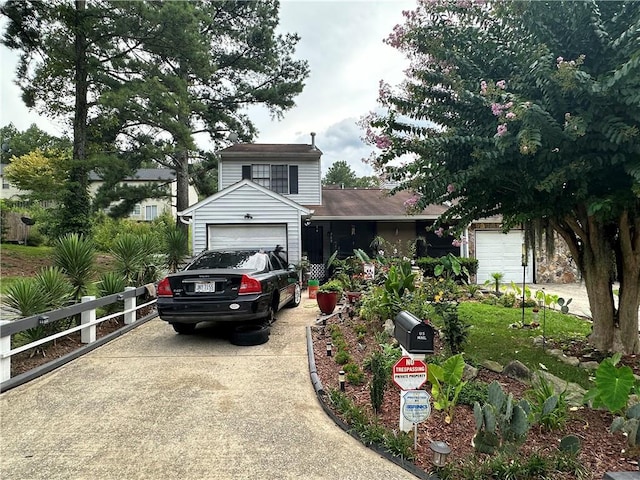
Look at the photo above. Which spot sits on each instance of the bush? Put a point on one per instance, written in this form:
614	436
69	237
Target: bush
428	265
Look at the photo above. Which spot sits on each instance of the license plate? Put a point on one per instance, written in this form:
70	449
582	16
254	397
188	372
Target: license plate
205	287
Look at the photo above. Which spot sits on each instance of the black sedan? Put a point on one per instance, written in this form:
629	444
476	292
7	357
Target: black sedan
228	286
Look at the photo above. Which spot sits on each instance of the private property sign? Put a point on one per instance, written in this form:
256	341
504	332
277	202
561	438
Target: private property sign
409	374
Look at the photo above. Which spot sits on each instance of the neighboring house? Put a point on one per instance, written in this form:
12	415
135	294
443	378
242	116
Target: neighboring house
147	210
271	194
150	208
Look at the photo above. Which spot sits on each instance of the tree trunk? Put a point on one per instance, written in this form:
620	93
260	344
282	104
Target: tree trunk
182	186
629	299
75	217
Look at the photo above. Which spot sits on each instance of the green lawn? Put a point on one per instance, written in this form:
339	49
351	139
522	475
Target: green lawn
492	338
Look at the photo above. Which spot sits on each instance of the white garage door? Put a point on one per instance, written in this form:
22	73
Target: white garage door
499	252
247	236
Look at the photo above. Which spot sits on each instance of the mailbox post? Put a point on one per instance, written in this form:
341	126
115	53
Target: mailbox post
416	339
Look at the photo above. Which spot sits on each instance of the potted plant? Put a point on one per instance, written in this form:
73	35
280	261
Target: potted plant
328	295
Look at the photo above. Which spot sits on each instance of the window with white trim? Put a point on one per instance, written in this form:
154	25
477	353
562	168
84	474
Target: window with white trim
150	212
282	179
137	210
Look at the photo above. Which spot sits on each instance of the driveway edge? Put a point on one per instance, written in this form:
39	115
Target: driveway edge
58	362
323	399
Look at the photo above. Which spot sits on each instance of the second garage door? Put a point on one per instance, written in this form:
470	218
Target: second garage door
499	252
247	236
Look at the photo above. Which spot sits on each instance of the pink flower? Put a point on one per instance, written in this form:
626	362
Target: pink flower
439	232
383	142
510	115
501	84
508	105
456	242
559	59
502	129
496	109
411	202
483	88
451	188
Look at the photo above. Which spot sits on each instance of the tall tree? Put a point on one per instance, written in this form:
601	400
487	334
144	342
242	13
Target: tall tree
16	143
341	174
70	53
530	110
211	60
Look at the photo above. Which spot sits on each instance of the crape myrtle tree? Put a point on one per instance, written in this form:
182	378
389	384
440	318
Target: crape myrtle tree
213	59
530	110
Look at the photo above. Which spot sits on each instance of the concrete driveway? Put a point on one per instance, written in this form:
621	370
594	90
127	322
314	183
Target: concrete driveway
156	405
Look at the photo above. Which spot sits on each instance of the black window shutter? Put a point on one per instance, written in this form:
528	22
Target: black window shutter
293	179
246	172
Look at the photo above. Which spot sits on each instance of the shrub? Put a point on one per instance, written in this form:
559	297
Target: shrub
75	255
548	408
455	330
378	384
429	264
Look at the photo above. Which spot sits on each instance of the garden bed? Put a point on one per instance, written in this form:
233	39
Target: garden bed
601	451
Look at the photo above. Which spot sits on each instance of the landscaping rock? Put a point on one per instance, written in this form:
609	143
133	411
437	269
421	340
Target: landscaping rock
589	365
493	366
469	372
573	361
389	327
574	392
518	370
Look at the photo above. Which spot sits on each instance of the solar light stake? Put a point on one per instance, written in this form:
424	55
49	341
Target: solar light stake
328	349
341	380
440	453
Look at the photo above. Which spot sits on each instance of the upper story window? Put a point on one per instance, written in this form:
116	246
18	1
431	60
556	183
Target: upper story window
5	183
281	179
137	210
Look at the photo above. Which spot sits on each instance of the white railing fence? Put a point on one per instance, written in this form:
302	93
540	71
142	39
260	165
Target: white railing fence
87	311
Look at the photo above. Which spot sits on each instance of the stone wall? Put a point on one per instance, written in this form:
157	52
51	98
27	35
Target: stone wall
557	268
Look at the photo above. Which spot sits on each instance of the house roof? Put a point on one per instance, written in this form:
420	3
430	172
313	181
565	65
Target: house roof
368	204
276	149
189	211
142	174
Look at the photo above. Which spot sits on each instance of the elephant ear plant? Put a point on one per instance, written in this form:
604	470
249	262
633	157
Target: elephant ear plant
446	384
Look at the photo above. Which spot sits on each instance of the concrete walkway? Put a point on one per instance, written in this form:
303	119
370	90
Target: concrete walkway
156	405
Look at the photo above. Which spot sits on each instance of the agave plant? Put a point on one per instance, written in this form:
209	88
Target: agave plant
111	283
75	255
26	296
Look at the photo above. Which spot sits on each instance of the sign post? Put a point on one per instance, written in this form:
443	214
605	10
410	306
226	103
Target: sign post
408	374
415	407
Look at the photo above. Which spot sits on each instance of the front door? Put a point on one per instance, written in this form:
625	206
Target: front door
312	243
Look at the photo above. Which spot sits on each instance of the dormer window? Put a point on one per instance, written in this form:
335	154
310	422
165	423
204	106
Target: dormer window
282	179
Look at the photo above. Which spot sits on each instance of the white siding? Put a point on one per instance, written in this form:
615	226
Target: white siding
499	252
309	177
230	209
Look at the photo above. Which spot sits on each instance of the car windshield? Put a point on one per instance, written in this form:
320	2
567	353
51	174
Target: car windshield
250	260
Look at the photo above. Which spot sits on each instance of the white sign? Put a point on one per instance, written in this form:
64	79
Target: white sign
416	406
369	271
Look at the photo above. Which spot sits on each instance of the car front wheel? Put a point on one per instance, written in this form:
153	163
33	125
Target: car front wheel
184	328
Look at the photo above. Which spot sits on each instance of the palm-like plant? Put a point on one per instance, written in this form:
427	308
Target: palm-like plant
109	284
135	258
75	255
176	247
26	296
56	286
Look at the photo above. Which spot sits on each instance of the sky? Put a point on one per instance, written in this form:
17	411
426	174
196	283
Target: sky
343	42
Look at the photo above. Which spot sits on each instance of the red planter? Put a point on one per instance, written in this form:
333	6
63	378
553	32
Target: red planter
327	301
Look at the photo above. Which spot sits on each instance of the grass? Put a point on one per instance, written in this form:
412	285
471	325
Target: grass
492	338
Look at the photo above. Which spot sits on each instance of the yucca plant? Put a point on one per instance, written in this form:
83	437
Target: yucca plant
75	255
134	256
56	286
28	297
111	283
176	247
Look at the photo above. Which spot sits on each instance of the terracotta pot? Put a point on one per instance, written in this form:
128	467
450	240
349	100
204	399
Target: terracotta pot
327	301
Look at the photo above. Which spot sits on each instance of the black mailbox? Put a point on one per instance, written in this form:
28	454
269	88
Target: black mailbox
414	335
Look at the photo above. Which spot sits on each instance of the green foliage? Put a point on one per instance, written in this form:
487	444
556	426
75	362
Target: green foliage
381	374
429	264
135	257
111	283
26	296
613	385
176	248
548	408
629	424
399	279
354	375
499	420
56	286
497	278
75	255
400	444
473	391
331	286
455	330
341	174
450	266
342	357
446	384
570	445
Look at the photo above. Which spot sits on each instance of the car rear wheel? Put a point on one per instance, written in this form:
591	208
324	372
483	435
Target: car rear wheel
297	297
247	335
184	328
